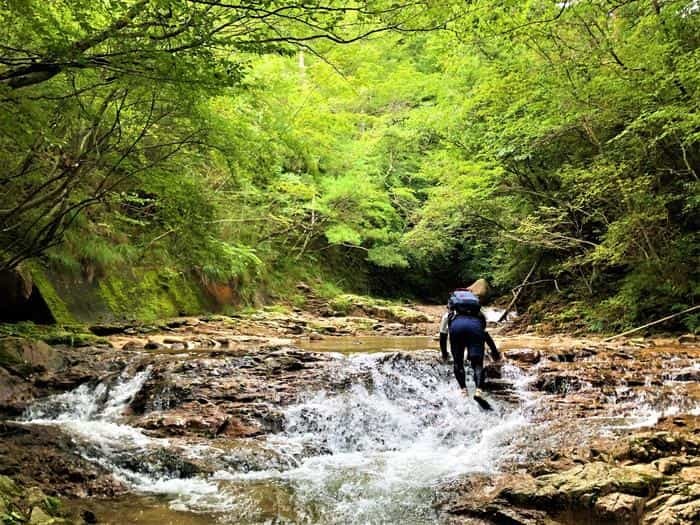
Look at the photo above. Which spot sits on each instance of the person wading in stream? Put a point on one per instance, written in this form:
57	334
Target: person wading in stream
467	331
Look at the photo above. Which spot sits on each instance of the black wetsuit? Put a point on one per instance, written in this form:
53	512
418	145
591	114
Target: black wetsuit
469	332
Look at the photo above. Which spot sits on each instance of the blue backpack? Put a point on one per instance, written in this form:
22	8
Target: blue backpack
464	302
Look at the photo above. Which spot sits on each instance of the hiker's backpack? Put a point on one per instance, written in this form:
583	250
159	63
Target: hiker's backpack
464	302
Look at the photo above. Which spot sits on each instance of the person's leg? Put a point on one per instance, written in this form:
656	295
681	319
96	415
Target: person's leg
477	363
457	348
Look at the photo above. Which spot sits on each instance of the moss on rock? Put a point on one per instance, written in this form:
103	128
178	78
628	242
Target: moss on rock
147	295
15	351
30	505
582	485
8	488
71	335
57	306
378	308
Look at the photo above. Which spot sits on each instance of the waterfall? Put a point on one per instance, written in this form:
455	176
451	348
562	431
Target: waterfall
94	415
375	451
383	447
101	402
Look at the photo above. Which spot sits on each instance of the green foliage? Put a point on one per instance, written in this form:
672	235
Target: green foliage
562	137
587	120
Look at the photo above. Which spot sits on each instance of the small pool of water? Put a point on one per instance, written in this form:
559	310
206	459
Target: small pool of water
138	510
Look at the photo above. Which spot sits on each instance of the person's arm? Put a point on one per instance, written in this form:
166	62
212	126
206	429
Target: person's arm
444	328
443	344
492	346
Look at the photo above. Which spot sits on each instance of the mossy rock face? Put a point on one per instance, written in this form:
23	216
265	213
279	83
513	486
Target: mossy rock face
39	517
9	355
57	305
76	335
29	505
150	295
356	304
131	294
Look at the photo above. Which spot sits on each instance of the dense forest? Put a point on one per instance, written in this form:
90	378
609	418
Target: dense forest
382	147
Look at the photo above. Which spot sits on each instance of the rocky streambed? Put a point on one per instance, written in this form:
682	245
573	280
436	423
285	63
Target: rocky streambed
273	418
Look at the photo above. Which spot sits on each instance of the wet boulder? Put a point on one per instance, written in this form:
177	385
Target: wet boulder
109	329
154	345
649	446
494	369
162	462
24	364
498	385
687	374
477	497
51	459
555	383
481	289
523	355
194	418
282	362
678	500
188	418
15	394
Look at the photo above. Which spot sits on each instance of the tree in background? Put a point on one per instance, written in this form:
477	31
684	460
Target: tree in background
95	92
587	115
446	142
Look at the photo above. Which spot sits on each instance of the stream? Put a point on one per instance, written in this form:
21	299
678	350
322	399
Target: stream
380	450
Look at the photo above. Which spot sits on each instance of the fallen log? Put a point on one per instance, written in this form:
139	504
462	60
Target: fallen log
517	294
658	321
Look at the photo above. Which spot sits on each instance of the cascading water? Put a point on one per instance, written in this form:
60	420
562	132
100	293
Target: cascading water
387	443
94	412
95	415
372	453
378	445
376	450
102	402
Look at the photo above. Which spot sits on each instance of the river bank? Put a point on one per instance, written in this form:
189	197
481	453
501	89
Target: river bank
315	419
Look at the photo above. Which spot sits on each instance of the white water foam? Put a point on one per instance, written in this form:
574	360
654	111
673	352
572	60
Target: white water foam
376	452
102	402
384	445
94	413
